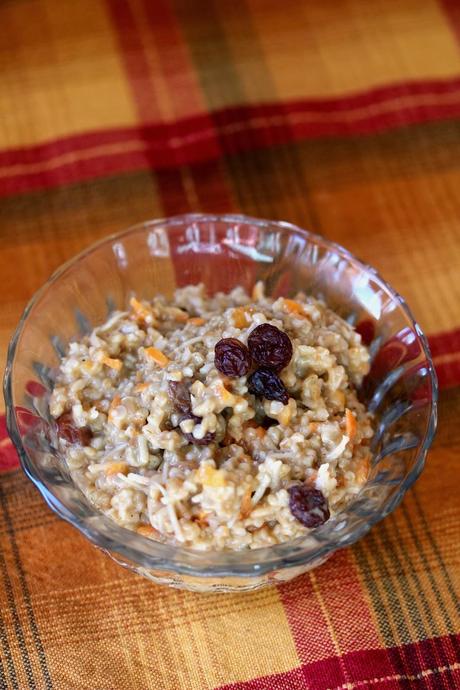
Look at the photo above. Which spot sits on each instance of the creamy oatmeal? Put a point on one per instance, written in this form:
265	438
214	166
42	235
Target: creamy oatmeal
224	422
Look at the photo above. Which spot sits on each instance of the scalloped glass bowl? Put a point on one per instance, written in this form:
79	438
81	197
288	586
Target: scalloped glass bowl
221	252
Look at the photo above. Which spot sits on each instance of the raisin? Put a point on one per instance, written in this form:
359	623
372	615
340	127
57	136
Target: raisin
264	383
232	357
270	347
207	438
180	396
308	505
71	433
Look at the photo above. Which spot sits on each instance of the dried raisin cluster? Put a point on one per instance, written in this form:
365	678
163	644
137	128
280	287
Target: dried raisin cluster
308	505
269	349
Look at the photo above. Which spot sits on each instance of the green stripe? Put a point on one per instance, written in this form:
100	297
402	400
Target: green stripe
445	614
375	596
26	596
393	607
216	69
449	584
434	629
388	609
393	547
3	630
391	550
18	630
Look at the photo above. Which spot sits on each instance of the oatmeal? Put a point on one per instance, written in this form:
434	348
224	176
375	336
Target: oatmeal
224	422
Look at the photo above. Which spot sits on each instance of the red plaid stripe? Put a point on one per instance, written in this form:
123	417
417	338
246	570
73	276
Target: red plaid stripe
209	136
369	668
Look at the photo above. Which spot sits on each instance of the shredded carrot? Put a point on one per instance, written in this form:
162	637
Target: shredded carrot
147	530
196	320
112	363
140	387
157	356
226	396
226	382
362	470
246	505
115	468
136	305
201	519
239	318
258	430
294	307
116	400
310	481
139	309
178	315
350	424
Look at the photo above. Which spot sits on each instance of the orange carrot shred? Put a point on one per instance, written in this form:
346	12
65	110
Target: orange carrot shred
139	309
350	424
201	519
246	505
178	315
239	318
362	470
115	468
112	363
116	400
294	307
157	355
146	530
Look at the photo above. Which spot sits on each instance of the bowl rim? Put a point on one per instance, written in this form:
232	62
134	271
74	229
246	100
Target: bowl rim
184	561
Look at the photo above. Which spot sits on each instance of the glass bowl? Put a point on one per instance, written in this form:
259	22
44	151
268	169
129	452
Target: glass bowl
221	252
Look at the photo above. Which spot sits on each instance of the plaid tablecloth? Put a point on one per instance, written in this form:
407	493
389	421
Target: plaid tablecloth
340	115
